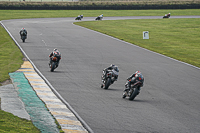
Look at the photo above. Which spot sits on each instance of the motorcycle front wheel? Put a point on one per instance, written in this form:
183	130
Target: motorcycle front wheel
134	94
107	84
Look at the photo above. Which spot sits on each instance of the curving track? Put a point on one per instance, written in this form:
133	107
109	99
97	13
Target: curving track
168	102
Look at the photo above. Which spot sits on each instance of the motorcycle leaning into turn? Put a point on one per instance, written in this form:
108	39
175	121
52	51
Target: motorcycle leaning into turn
100	17
166	15
133	87
108	78
79	17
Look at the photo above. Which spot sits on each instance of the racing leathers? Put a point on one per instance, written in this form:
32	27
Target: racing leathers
23	32
115	72
134	78
53	54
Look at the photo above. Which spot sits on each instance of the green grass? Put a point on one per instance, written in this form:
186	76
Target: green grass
12	124
10	55
176	38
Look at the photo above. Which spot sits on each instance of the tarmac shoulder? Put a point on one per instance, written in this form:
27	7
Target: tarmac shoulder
11	102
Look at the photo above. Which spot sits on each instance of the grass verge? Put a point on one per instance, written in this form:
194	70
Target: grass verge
11	57
13	124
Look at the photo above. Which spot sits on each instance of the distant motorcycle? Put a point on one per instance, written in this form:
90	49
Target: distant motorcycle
166	15
133	91
79	17
100	17
109	78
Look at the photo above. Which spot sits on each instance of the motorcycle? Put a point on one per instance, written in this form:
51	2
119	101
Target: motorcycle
23	36
133	91
166	15
99	18
79	17
108	78
54	63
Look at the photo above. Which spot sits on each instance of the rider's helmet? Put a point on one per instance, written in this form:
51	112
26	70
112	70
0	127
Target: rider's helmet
55	49
137	73
112	65
56	52
139	76
116	69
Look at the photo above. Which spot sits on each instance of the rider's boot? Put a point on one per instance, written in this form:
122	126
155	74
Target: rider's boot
102	85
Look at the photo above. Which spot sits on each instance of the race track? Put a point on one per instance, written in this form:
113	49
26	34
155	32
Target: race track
168	102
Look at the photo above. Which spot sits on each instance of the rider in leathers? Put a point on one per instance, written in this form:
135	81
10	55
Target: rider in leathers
137	76
101	16
23	32
58	55
105	71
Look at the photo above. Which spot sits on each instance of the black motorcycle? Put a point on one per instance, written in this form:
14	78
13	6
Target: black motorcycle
133	91
99	18
54	63
23	36
108	78
79	17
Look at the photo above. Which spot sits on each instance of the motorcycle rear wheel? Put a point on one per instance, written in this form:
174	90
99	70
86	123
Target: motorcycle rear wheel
53	66
23	38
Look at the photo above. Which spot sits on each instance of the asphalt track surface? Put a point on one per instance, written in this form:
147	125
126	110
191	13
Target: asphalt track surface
168	102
